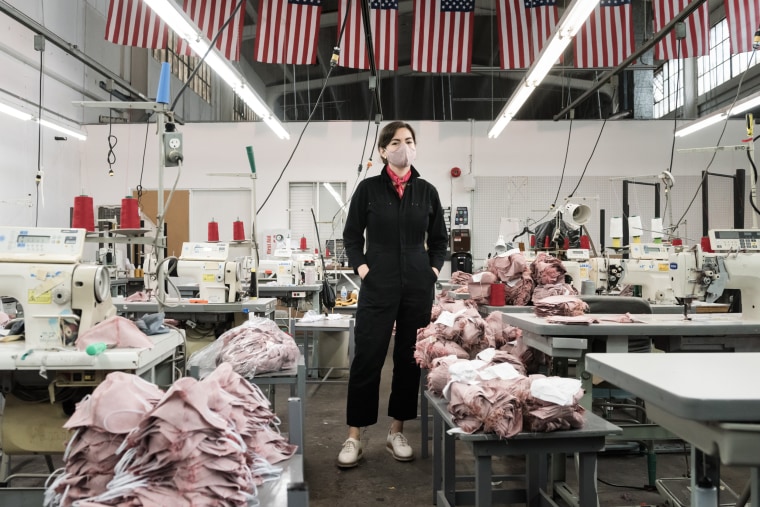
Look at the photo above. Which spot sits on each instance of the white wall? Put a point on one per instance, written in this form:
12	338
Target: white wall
330	152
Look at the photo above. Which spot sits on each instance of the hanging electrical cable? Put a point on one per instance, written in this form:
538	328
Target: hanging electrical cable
39	45
720	138
112	140
203	58
333	63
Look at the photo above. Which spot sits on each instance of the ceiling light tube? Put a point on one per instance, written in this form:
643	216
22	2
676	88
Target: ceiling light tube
701	123
63	130
746	104
572	21
12	111
184	27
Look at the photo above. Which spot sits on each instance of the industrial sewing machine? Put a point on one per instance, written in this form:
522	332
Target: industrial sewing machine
41	269
577	266
648	268
735	264
606	273
206	264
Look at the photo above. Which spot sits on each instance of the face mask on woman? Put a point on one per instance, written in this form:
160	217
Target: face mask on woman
403	156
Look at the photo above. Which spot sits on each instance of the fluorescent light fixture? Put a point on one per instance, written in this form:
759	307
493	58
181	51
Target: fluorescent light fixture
184	27
741	106
63	130
572	21
24	116
12	111
700	124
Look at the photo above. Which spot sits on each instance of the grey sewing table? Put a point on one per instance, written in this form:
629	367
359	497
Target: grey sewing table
572	341
711	400
488	309
311	330
184	310
536	447
273	290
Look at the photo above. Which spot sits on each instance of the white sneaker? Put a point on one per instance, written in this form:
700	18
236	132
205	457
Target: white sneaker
398	446
350	453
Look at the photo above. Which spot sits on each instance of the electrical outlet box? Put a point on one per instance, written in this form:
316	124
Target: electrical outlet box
172	149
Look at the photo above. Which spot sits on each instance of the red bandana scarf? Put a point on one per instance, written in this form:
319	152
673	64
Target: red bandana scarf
398	183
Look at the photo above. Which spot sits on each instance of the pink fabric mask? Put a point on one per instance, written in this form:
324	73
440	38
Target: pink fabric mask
403	156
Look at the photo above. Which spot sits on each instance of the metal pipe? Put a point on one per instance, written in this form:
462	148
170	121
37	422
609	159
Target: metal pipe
71	49
636	54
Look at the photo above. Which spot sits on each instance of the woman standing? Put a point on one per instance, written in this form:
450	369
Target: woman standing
395	237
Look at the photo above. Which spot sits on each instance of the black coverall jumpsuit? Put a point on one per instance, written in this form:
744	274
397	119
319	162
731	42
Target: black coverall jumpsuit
399	287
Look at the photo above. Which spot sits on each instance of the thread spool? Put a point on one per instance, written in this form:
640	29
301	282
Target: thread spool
497	297
616	231
164	81
705	243
238	230
84	215
130	216
585	242
213	232
634	228
566	243
302	246
657	230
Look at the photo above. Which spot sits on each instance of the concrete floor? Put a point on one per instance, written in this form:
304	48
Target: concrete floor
381	480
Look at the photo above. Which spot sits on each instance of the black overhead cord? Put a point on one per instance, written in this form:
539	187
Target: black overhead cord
39	45
370	55
112	140
333	63
210	47
593	150
720	138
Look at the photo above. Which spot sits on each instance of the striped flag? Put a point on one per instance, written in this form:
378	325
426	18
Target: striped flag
606	38
210	15
743	18
384	25
524	28
288	31
442	40
697	24
133	23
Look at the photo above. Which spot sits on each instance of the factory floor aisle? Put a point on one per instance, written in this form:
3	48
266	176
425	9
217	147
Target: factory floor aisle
381	480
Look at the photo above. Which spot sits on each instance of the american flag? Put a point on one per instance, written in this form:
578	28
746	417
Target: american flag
606	38
133	23
210	15
743	18
288	31
524	27
697	24
384	24
442	40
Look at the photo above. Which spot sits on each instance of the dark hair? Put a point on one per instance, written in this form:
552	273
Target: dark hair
386	135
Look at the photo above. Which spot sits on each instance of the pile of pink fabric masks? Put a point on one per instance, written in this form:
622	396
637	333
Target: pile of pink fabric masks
460	278
513	270
490	395
459	330
254	347
258	346
567	306
101	422
204	443
549	276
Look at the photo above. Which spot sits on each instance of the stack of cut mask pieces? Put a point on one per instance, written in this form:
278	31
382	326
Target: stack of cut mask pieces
206	442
